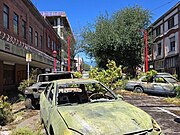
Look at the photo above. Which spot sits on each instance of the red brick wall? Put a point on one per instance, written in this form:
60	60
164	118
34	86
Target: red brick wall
20	73
27	12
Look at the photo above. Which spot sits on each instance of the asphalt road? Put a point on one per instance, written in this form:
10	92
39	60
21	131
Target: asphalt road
166	115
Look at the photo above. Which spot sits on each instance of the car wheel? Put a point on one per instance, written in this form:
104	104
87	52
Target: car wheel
28	103
138	89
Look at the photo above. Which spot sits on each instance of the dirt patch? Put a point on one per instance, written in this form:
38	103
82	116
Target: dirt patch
22	118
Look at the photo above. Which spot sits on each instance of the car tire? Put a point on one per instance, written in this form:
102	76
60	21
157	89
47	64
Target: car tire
138	89
28	103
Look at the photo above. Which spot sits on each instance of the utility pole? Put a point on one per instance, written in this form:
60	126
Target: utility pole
145	50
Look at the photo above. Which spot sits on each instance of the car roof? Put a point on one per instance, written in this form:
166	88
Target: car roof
78	80
164	75
57	73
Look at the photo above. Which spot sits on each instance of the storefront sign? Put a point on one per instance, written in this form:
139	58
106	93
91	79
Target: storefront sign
28	57
21	44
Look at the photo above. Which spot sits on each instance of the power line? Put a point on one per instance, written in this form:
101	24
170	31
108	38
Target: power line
163	5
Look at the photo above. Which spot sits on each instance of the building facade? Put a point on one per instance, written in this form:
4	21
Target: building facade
24	30
166	47
61	25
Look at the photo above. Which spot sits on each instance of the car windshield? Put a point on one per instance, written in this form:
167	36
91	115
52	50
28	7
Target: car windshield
51	77
170	79
83	93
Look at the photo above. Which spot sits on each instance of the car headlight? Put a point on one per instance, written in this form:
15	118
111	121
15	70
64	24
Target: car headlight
71	132
156	127
27	91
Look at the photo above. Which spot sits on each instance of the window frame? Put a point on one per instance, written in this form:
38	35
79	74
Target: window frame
30	34
41	41
158	30
5	13
36	38
24	29
49	42
16	23
172	45
171	23
159	47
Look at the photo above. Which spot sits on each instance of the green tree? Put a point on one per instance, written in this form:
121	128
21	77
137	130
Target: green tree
118	37
86	67
111	77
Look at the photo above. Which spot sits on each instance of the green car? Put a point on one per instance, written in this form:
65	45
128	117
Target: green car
87	107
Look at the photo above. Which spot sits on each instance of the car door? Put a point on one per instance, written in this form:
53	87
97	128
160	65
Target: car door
147	86
160	85
46	104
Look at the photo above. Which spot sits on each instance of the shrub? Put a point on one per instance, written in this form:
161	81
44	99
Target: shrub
175	76
25	131
111	77
178	91
24	83
77	74
22	131
6	115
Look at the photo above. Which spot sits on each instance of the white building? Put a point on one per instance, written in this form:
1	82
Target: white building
166	47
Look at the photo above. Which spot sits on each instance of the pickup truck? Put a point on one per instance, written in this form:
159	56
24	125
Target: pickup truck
32	93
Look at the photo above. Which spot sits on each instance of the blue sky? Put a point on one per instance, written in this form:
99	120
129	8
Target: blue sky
81	12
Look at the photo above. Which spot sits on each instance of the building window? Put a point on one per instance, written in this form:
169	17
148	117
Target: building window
41	41
159	49
172	44
24	29
30	35
6	17
16	22
158	30
49	42
52	45
36	39
55	46
171	23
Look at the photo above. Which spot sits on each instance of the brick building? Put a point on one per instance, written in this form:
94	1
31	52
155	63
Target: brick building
24	30
166	47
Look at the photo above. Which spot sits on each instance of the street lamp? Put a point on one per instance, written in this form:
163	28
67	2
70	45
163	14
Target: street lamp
54	55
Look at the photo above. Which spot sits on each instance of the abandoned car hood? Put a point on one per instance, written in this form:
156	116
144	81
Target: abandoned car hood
102	118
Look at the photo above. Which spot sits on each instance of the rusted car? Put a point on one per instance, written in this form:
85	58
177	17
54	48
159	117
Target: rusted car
87	107
161	83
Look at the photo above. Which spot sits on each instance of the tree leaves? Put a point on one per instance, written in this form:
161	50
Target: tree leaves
118	37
